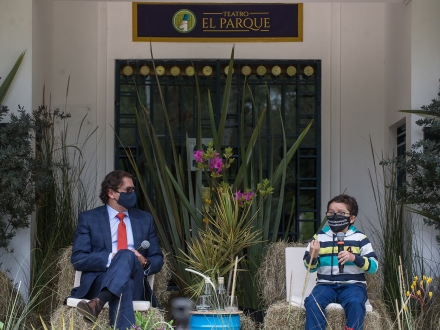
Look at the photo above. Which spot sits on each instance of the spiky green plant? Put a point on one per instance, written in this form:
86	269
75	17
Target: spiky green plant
179	197
4	87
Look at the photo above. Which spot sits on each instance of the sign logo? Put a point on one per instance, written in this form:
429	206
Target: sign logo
184	21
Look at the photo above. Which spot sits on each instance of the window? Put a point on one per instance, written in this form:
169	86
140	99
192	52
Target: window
295	90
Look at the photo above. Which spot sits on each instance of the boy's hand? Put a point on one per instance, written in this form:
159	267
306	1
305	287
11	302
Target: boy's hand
314	249
345	256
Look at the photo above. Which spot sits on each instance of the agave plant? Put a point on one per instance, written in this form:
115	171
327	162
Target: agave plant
176	216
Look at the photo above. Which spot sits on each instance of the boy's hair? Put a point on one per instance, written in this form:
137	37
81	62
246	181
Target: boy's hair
351	203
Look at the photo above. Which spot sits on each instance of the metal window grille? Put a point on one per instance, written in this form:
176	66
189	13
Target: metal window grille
297	96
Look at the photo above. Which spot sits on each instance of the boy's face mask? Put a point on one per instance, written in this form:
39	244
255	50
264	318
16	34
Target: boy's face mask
338	223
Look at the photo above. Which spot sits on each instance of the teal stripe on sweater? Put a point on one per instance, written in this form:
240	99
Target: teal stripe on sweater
327	261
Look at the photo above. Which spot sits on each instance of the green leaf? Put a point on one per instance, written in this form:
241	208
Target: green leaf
421	112
4	87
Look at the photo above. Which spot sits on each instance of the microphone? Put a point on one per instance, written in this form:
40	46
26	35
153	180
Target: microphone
340	237
144	245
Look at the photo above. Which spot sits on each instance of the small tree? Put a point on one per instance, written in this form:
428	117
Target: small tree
421	165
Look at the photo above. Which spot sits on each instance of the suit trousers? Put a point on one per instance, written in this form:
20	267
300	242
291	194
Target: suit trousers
351	297
124	278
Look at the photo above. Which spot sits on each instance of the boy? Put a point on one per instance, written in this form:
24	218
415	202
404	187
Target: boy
341	276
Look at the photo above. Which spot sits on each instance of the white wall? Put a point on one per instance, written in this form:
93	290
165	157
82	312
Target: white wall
75	54
42	49
348	38
16	37
397	72
362	101
376	58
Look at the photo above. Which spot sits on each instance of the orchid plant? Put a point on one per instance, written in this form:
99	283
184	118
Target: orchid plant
228	219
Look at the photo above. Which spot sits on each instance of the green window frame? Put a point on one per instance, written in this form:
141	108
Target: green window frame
295	92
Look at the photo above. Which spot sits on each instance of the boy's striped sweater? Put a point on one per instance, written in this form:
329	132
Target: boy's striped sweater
326	264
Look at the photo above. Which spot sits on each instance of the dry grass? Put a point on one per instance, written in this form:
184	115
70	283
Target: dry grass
67	315
246	323
67	276
13	309
280	315
374	286
284	316
9	295
161	280
271	276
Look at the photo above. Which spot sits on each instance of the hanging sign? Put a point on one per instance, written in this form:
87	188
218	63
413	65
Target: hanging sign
215	22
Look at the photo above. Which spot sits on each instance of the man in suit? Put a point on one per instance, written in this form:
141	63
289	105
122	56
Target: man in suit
104	249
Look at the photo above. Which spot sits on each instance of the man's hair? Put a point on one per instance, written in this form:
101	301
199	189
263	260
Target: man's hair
113	181
351	203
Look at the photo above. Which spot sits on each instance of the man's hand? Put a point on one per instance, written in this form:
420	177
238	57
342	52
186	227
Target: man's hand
140	257
314	249
345	256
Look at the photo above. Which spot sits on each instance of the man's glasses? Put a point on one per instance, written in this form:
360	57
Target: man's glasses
330	214
128	190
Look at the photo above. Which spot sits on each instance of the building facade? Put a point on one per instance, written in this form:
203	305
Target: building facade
376	57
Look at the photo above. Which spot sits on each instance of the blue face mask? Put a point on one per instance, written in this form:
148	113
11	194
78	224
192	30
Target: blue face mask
127	200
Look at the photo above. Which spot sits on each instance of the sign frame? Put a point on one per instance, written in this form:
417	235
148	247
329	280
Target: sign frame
137	38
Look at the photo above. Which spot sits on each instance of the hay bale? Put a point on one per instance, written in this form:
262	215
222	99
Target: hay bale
381	309
161	280
284	316
374	286
14	311
246	323
66	275
65	315
271	276
11	303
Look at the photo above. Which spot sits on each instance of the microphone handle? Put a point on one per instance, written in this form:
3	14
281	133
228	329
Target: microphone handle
341	248
139	249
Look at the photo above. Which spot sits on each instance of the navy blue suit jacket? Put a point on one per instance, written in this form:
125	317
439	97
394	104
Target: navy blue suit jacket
92	244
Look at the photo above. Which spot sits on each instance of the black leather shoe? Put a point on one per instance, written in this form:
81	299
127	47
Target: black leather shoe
90	309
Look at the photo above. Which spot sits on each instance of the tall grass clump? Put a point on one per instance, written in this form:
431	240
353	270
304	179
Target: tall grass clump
395	233
411	297
68	189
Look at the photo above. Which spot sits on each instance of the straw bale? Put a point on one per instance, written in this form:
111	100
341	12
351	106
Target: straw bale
66	275
284	316
381	309
271	276
374	286
161	280
13	307
10	296
64	314
246	323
